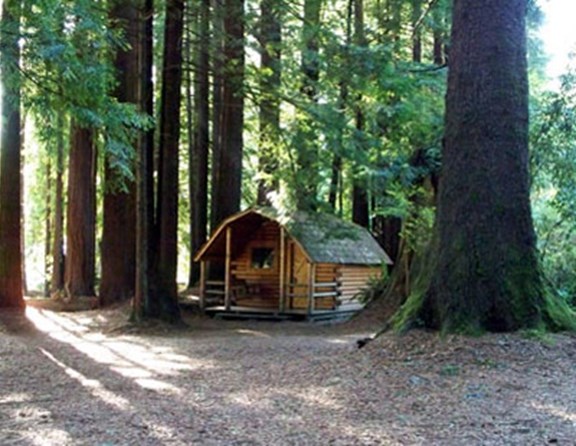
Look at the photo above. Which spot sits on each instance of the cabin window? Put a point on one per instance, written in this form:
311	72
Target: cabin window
262	258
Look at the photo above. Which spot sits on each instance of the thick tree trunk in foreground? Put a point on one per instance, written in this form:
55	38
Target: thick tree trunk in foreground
119	235
81	215
167	210
10	181
485	274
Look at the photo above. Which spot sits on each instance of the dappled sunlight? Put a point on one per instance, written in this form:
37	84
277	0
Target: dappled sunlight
560	412
246	331
48	435
92	385
15	398
340	341
154	384
142	363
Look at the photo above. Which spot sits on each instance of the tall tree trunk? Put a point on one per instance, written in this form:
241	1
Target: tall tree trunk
416	31
307	177
57	280
167	209
10	164
118	234
23	216
269	114
484	274
48	231
438	35
199	148
227	199
81	215
217	66
145	304
336	178
360	205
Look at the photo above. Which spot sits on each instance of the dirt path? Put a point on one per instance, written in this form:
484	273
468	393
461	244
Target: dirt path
75	379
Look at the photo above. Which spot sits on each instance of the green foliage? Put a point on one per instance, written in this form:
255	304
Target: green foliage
553	137
67	69
401	104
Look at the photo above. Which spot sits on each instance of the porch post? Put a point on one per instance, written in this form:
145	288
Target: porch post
227	271
311	287
282	259
202	285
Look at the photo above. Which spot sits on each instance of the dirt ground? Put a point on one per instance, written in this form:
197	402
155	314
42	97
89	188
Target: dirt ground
85	378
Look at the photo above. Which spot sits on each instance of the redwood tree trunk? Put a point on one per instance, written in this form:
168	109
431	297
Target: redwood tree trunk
416	31
81	215
199	147
269	115
145	304
57	281
119	235
336	174
486	275
217	68
167	208
439	18
10	164
228	191
360	206
307	177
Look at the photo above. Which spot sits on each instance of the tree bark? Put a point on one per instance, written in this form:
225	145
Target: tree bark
48	230
57	280
416	31
199	144
11	292
269	113
228	190
360	205
145	304
217	67
438	35
167	208
485	274
307	177
336	176
81	216
118	234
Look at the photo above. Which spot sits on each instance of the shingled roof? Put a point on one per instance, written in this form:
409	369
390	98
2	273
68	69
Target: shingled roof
323	237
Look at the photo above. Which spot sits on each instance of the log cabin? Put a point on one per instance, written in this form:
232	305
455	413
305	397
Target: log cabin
299	264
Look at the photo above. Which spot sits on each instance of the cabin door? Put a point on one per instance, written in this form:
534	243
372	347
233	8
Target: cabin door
296	276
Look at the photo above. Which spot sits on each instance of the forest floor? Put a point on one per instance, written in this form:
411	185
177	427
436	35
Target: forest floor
88	378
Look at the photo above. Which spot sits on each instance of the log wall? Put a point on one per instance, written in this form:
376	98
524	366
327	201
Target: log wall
353	278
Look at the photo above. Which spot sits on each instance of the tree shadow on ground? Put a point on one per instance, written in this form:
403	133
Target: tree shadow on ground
248	384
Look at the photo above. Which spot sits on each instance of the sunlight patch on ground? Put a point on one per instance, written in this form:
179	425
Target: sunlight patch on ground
253	333
154	384
15	398
131	360
559	412
45	436
94	386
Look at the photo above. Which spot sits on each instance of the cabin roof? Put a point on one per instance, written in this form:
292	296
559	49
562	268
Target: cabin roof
324	238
